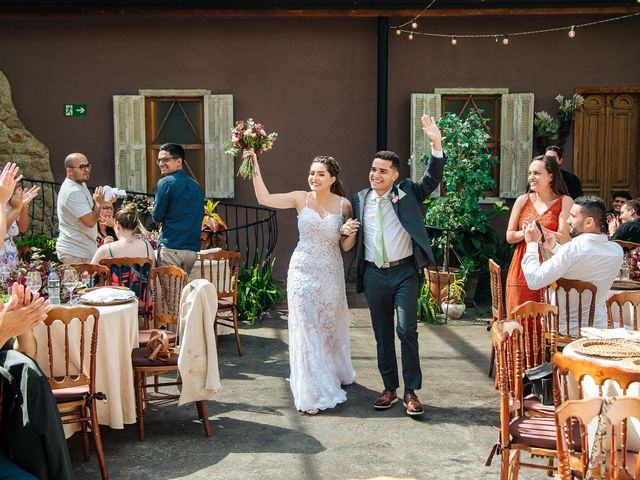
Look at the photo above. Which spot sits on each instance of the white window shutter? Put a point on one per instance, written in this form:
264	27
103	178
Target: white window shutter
516	143
129	142
219	171
421	104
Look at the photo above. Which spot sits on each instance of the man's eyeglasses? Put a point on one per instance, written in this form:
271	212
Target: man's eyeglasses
165	159
83	167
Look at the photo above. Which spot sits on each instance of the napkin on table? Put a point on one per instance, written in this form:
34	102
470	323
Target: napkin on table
106	294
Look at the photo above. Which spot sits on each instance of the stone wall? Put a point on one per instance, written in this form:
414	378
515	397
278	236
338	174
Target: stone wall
18	145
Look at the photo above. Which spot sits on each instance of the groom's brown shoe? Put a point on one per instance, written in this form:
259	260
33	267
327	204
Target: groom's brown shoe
386	400
412	404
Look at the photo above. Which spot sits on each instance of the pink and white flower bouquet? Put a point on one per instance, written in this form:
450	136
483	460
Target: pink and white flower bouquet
249	136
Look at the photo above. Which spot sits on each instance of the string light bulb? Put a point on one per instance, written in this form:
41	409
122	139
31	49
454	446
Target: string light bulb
398	32
454	41
411	36
505	40
414	25
572	32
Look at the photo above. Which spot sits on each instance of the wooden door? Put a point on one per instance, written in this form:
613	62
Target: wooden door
606	142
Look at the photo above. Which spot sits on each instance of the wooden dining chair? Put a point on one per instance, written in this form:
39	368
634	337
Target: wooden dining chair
619	461
518	432
616	302
120	273
167	284
72	380
99	274
497	304
586	293
222	269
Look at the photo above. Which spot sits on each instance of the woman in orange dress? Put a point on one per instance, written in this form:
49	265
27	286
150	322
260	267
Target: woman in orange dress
546	200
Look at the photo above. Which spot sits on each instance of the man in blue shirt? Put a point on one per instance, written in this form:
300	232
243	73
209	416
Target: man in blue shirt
179	207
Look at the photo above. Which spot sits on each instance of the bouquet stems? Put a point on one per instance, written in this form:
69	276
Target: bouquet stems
247	170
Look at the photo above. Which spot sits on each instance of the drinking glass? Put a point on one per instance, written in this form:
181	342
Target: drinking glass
624	271
34	282
70	280
85	279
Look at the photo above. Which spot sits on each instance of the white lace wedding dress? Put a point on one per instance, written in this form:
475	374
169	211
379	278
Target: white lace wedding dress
318	314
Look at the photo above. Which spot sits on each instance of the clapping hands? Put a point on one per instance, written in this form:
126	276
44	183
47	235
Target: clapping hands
8	180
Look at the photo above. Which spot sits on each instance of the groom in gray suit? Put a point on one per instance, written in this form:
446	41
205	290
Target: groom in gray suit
391	245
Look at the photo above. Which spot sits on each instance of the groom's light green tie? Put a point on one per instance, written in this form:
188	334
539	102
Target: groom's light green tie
381	253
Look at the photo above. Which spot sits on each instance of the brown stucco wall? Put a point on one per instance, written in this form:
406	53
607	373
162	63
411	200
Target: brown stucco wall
312	80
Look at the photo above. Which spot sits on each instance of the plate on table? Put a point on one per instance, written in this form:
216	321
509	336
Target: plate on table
625	285
106	295
608	348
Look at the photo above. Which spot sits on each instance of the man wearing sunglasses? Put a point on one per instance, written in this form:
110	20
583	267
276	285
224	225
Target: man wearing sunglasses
78	212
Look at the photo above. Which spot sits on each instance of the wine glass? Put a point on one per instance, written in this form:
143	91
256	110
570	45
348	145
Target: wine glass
34	282
85	279
70	280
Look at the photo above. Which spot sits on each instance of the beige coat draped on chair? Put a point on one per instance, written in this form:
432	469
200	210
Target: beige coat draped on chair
198	358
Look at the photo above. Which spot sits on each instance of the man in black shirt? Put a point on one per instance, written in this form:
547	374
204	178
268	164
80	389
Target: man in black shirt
573	182
629	230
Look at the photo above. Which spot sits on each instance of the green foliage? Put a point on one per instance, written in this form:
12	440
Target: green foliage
427	307
257	291
544	125
454	292
468	174
567	109
43	243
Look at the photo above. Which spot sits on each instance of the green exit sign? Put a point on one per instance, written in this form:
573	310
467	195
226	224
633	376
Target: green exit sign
75	109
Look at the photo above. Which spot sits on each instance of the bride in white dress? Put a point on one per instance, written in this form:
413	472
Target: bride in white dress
319	337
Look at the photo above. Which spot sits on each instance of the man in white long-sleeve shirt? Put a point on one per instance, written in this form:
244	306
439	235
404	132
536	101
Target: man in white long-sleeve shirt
589	257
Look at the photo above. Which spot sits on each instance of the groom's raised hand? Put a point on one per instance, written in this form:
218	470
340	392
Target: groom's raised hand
431	130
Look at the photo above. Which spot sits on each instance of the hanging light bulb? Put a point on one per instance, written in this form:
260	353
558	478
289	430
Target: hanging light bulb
414	25
454	41
411	36
572	32
398	32
496	39
505	40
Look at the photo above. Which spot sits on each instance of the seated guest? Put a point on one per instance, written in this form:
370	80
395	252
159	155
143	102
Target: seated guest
613	215
130	243
589	257
106	231
629	230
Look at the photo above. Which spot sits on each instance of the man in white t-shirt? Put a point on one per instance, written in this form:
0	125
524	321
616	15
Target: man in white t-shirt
78	212
589	257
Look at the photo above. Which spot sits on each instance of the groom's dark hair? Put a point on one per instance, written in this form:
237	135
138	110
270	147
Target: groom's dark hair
389	155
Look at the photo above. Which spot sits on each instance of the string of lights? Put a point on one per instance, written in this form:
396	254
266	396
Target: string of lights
571	29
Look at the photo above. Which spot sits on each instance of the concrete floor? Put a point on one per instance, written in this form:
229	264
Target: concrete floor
259	435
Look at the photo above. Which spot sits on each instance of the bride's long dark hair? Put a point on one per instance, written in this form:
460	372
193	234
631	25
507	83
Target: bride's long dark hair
333	167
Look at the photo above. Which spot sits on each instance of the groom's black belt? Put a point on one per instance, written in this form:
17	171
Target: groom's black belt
394	263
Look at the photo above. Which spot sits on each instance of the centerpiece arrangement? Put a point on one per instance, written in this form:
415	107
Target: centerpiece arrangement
248	136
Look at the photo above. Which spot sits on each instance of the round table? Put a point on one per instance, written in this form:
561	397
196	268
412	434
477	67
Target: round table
117	336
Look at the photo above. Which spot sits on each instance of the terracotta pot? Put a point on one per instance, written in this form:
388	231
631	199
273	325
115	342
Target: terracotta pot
453	310
439	280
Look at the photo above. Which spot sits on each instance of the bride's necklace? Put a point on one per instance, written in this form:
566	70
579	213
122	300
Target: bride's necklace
323	206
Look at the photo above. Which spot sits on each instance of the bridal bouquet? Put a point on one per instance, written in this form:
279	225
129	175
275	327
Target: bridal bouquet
249	136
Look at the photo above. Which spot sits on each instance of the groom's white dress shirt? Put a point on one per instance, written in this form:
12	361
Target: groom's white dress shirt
589	257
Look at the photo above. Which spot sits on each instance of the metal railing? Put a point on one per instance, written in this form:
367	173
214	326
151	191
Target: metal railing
253	230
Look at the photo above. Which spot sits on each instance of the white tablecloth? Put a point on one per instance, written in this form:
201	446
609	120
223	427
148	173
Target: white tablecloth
117	336
611	389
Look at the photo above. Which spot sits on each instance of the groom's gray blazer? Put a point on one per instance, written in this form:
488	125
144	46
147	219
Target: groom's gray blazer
408	208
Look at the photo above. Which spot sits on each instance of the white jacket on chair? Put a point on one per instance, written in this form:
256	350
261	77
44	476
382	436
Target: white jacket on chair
198	358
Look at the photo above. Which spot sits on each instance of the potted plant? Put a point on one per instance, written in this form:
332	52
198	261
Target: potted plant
546	130
468	175
453	297
567	110
212	223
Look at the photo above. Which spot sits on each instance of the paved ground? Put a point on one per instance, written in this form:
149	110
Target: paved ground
259	435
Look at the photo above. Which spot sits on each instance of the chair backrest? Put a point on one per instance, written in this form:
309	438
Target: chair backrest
167	284
568	329
536	340
507	340
627	245
495	274
616	303
74	333
130	272
616	411
222	269
99	274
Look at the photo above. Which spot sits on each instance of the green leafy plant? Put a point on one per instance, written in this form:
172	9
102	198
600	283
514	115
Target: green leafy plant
544	125
257	291
454	293
468	174
567	109
427	306
44	244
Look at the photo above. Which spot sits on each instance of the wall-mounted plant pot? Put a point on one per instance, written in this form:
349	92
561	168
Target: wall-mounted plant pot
453	310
